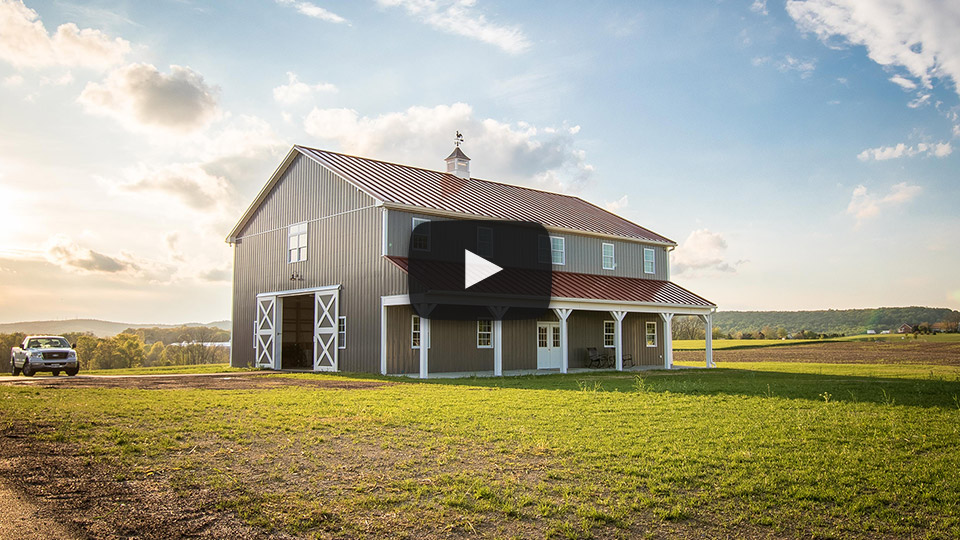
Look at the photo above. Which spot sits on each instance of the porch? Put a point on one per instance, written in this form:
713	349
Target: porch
559	342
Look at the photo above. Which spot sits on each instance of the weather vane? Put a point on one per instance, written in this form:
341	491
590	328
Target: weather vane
458	139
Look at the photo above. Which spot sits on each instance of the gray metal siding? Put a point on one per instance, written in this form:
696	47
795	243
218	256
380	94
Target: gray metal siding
583	253
344	232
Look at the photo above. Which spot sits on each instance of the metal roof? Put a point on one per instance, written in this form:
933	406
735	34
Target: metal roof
599	287
432	190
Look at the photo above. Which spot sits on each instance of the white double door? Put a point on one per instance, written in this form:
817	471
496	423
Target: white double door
267	328
548	345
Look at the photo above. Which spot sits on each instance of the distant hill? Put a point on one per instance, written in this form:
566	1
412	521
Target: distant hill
831	321
96	327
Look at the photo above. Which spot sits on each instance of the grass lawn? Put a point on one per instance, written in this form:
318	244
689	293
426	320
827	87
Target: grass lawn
826	450
166	370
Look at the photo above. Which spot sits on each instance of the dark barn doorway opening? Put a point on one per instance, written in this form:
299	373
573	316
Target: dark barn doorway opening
296	350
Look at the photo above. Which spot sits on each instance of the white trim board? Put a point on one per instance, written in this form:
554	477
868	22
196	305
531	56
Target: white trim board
295	292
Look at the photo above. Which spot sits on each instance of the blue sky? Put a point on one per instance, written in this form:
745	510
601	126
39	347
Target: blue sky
801	153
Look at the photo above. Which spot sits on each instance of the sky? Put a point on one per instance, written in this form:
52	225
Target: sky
803	154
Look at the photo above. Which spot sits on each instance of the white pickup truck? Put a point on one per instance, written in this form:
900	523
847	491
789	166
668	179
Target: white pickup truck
44	353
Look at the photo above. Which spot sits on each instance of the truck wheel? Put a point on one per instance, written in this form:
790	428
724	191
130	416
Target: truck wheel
14	369
72	371
56	373
27	369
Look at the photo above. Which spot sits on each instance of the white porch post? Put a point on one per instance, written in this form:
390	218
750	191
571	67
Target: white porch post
563	314
618	321
497	337
383	337
667	339
708	326
424	347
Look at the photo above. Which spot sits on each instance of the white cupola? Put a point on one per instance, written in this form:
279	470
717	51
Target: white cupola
458	164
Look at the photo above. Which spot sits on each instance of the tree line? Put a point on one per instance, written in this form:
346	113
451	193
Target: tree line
141	347
833	322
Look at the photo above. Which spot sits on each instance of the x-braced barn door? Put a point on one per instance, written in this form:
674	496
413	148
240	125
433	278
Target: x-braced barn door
325	335
266	332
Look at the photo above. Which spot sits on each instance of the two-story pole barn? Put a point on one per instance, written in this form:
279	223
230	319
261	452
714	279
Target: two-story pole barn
320	279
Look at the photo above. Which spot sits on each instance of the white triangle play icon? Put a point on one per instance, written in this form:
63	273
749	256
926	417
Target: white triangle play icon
476	269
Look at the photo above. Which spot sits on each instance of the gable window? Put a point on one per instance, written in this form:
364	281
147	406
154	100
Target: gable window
342	333
485	242
649	266
551	250
420	239
609	261
297	243
609	334
651	333
484	334
415	333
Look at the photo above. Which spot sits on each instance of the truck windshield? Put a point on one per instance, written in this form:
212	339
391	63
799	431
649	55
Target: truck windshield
48	343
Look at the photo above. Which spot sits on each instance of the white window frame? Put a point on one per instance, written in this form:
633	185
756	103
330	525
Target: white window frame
488	333
609	337
417	221
603	256
652	261
300	231
562	250
647	333
342	332
480	251
415	331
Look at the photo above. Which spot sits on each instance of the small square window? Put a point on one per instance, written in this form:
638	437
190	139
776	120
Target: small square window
607	256
484	334
420	237
609	334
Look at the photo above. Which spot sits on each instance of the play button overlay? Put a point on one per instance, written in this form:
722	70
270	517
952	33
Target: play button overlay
479	269
476	269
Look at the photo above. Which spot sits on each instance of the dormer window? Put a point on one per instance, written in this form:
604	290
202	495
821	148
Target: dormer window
607	256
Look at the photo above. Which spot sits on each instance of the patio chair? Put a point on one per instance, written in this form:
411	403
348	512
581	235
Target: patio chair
595	359
627	360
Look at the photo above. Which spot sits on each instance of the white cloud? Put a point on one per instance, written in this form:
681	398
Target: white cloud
617	205
295	90
883	153
919	35
702	251
64	252
189	183
13	80
423	136
903	82
142	98
759	6
25	42
460	17
864	205
804	67
312	10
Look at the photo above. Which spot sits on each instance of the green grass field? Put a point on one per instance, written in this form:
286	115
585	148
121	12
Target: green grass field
720	344
166	370
825	450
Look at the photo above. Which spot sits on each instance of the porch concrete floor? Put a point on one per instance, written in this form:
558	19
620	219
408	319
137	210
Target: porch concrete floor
517	372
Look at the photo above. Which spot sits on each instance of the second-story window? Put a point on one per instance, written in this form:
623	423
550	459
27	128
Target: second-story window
485	242
420	239
552	250
649	261
609	261
297	243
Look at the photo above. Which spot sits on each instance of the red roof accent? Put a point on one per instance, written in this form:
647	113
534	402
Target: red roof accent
411	186
614	288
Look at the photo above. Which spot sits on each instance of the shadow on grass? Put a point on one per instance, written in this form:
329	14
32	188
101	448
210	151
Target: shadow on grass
931	391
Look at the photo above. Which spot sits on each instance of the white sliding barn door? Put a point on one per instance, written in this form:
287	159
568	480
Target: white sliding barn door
325	334
266	332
